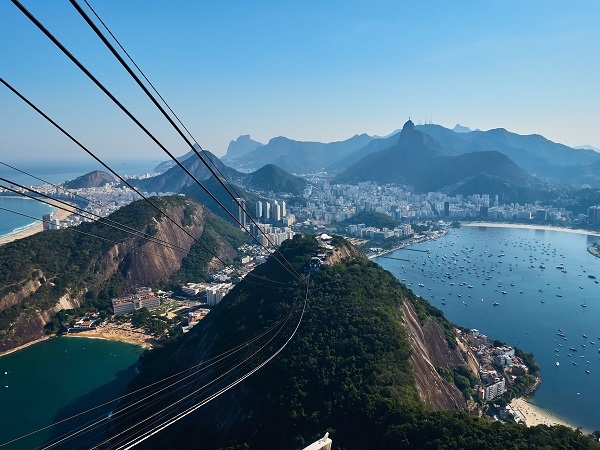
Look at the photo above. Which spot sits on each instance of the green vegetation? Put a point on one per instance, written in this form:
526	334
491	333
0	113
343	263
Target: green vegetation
67	261
213	186
346	371
76	260
525	383
194	266
273	178
142	318
462	378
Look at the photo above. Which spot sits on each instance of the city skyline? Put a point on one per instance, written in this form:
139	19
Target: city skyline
311	72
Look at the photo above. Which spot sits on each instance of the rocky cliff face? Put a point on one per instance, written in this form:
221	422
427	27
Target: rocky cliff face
341	252
431	350
24	289
138	262
30	327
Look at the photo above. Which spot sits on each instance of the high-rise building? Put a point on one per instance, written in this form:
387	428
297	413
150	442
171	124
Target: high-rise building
594	213
275	211
259	210
46	219
541	215
267	211
446	209
239	208
283	209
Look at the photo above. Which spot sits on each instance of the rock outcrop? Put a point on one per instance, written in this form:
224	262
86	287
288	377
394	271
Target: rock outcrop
137	260
431	350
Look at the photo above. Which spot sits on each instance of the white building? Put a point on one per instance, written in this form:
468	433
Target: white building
494	390
143	298
215	293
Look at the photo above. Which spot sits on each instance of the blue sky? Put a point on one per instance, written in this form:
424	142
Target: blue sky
320	71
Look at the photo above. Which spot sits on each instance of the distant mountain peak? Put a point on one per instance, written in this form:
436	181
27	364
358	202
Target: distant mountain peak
96	178
408	126
587	147
242	146
458	128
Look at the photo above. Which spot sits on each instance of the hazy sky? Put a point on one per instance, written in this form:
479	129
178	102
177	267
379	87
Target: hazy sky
320	71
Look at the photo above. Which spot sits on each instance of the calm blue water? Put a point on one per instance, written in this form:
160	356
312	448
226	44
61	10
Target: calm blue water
11	223
56	173
56	379
537	303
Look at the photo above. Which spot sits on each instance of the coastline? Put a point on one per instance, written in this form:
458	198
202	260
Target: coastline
112	332
409	243
527	226
526	412
60	214
21	347
533	415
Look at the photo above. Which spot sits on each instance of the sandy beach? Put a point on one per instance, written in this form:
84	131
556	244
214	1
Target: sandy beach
533	415
116	332
60	214
110	332
527	226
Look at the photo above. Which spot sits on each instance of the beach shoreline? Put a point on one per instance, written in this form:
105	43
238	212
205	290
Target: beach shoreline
113	332
59	214
529	227
533	415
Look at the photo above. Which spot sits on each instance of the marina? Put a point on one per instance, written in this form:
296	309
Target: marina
523	301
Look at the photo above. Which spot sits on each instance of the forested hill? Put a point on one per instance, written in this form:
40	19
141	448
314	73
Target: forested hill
88	264
351	369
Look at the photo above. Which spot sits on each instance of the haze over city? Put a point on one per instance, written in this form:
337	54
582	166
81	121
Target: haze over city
311	71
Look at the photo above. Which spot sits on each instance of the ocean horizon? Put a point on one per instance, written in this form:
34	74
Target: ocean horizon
55	172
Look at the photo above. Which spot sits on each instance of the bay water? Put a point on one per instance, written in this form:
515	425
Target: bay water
55	379
534	289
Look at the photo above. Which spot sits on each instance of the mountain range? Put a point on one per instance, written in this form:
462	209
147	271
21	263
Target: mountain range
427	157
268	178
419	160
547	160
296	156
